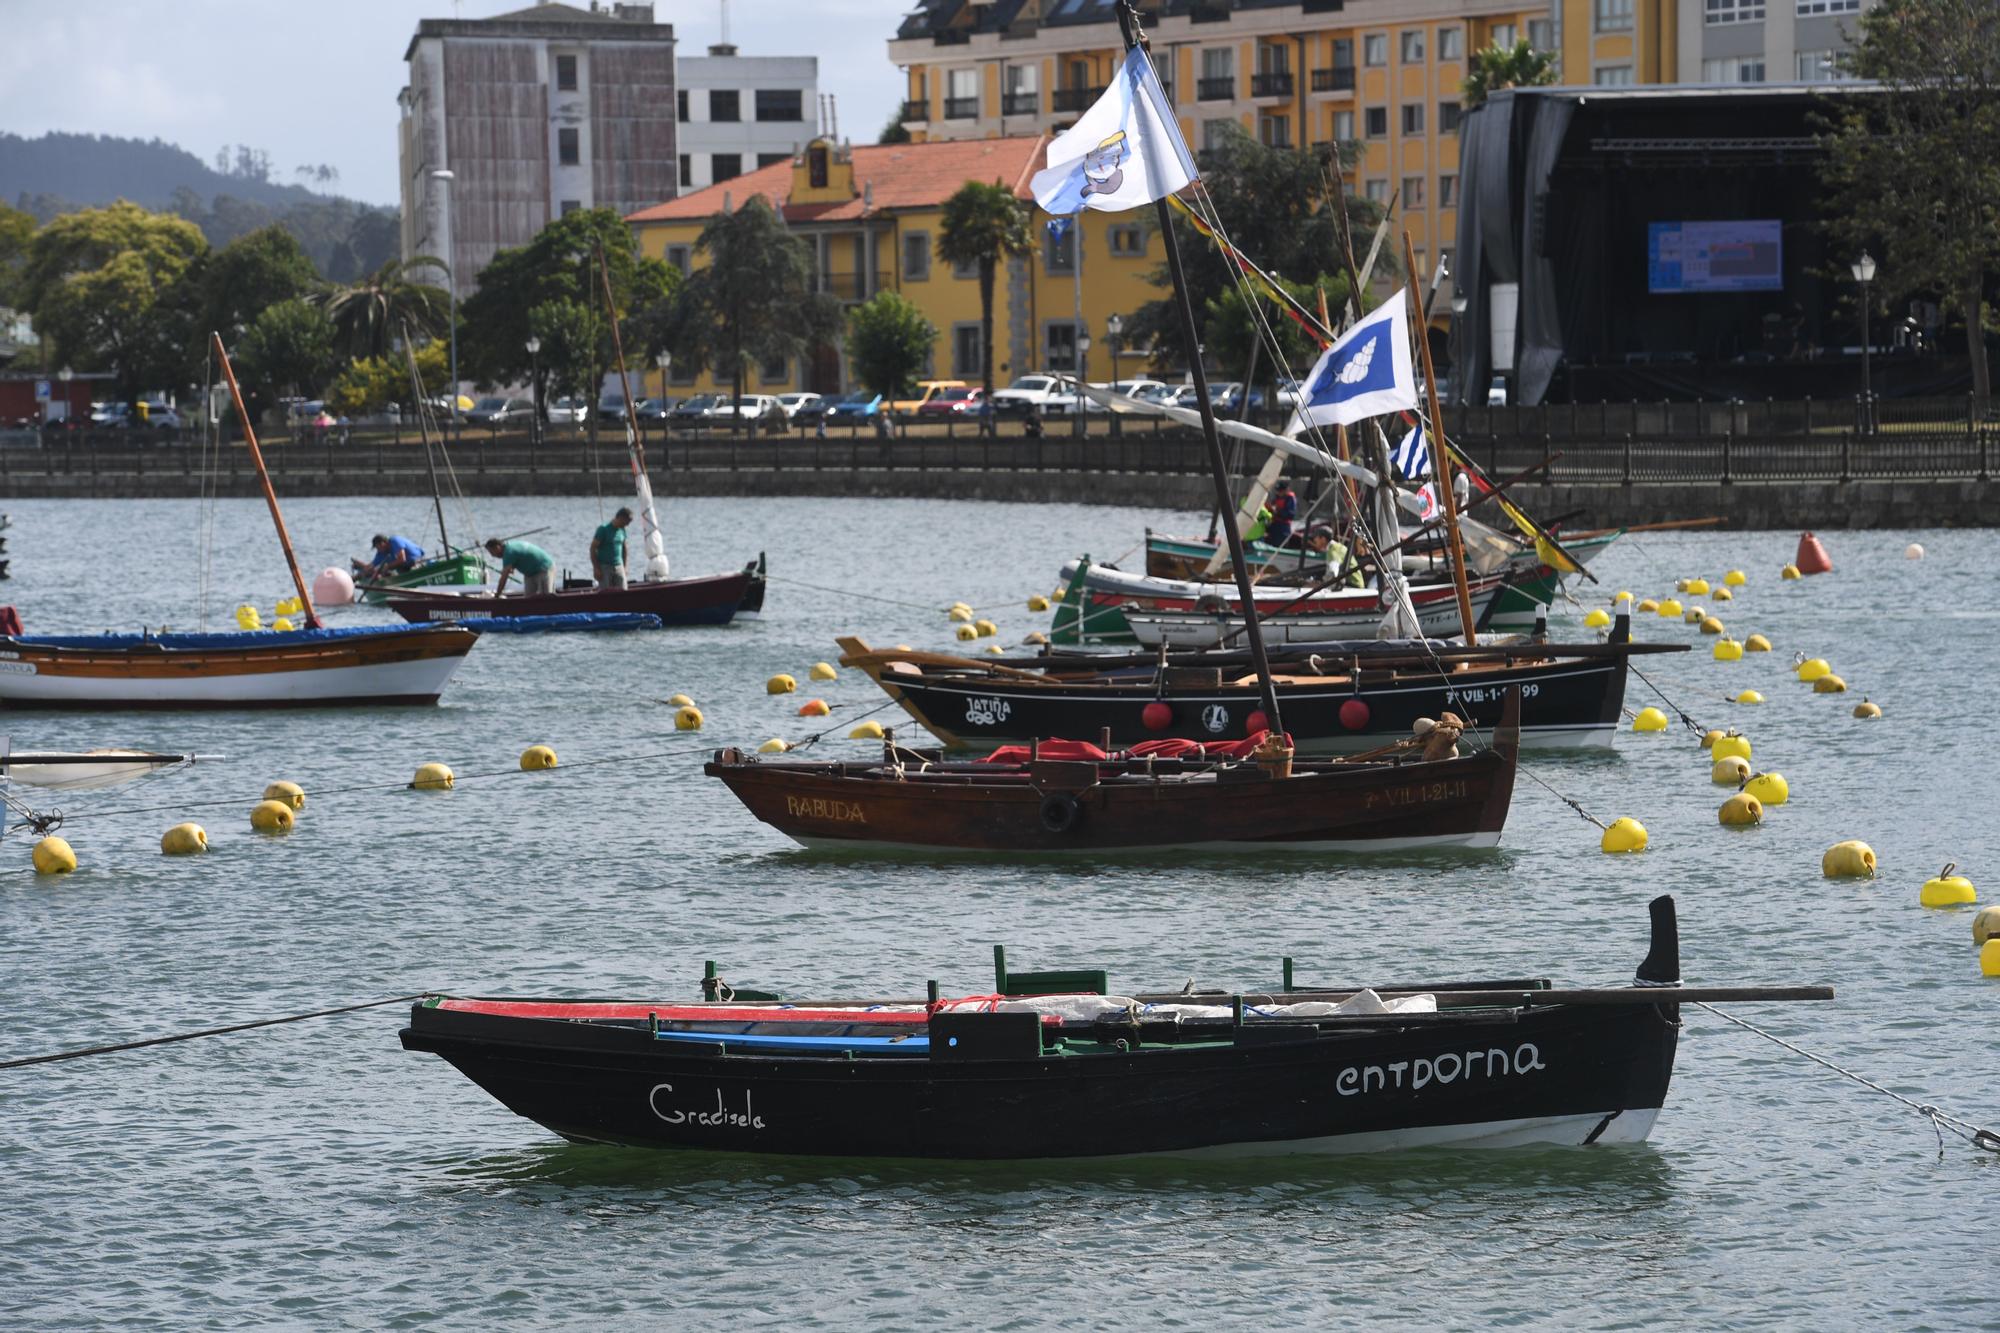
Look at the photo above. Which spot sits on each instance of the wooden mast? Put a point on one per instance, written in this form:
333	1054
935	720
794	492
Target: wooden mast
264	476
1440	454
1128	22
430	459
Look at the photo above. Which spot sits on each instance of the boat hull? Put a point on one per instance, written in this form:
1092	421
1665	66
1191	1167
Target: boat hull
1557	1074
459	569
710	600
1181	630
344	667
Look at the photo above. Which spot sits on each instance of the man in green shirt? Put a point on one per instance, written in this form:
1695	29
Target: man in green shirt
538	567
607	551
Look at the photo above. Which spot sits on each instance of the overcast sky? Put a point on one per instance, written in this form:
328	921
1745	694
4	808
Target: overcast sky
315	81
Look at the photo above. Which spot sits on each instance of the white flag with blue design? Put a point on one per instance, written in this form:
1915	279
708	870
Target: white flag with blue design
1125	151
1412	456
1366	374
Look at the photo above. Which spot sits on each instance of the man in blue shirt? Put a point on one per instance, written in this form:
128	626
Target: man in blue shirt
393	555
538	567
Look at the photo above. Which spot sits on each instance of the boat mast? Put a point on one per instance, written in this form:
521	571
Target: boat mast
423	430
642	485
1128	23
264	476
1441	467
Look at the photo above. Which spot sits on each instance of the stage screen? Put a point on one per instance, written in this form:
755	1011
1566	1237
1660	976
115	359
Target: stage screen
1732	256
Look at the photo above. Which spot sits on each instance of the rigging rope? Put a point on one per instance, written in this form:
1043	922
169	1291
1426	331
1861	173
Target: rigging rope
1940	1120
83	1051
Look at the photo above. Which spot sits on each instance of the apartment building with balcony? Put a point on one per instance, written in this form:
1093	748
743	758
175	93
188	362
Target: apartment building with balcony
1616	43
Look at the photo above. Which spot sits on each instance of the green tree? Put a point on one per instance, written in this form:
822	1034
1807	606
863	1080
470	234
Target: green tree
289	346
1231	326
571	334
982	225
751	302
17	233
92	282
371	383
368	316
251	274
893	132
1912	173
887	341
1498	67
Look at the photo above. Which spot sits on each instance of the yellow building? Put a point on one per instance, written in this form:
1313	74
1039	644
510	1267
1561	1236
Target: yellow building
1381	77
873	215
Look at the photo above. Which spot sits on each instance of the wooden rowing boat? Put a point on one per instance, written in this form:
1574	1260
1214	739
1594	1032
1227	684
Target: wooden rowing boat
710	600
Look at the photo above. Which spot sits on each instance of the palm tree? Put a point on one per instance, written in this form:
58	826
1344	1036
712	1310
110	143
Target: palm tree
1498	67
982	224
366	314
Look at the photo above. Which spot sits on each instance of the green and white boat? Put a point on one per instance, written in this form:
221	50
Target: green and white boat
455	568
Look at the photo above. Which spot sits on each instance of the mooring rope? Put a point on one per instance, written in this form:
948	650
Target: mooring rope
80	1052
1940	1120
1686	721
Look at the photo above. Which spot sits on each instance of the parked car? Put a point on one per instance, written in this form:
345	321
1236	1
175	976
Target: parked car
927	390
654	411
1227	397
967	402
569	411
794	404
697	409
1031	392
1290	393
498	411
1496	392
752	406
302	411
611	407
858	406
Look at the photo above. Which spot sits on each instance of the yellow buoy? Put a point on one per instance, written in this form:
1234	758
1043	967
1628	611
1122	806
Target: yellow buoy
1848	860
1695	615
814	708
54	856
996	650
1622	596
986	628
1735	743
1699	587
1649	605
773	746
1650	719
1734	578
432	777
1946	889
1036	636
1670	608
1829	684
780	684
1709	738
282	624
184	840
967	633
823	671
1710	625
537	757
1989	958
680	701
291	793
1756	643
687	718
1866	709
1740	810
1038	603
1986	925
871	730
1723	595
1624	835
1812	668
1729	771
1598	618
960	613
272	817
1770	788
1789	572
1749	697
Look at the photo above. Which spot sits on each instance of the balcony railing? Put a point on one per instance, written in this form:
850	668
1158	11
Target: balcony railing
1339	79
1021	104
1278	84
1074	99
961	108
1215	90
845	286
916	113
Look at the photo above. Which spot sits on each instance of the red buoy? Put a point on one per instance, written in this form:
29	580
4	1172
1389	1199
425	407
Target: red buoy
1354	714
1812	557
1256	722
1157	715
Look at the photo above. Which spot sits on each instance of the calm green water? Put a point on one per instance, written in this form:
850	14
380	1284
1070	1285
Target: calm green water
317	1174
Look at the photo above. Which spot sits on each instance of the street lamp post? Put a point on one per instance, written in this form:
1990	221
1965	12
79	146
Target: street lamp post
664	360
444	177
535	386
66	375
1114	331
1864	273
1082	372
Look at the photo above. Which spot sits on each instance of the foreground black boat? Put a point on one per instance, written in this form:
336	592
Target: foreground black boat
1064	1071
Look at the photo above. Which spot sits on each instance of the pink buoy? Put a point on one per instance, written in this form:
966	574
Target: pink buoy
1354	714
1256	722
1812	557
333	587
1157	715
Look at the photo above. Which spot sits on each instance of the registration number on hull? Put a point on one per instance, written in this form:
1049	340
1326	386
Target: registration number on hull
1417	793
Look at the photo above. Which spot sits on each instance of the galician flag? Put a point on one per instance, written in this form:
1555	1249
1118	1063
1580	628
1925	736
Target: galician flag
1125	151
1366	374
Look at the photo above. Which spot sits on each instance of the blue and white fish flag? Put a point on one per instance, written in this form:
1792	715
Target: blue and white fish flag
1366	374
1125	151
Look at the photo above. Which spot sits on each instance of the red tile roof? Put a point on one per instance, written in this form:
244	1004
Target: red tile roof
902	175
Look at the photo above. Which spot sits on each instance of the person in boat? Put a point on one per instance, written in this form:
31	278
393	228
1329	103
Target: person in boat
538	567
1284	513
607	551
393	555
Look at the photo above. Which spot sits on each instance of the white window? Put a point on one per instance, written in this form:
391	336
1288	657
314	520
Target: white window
1613	15
1413	46
1413	118
1810	8
1447	191
1021	78
1502	34
1413	192
1816	67
1733	11
962	83
1343	126
1375	48
1218	62
1542	34
916	256
1733	69
1451	43
1378	191
1612	76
